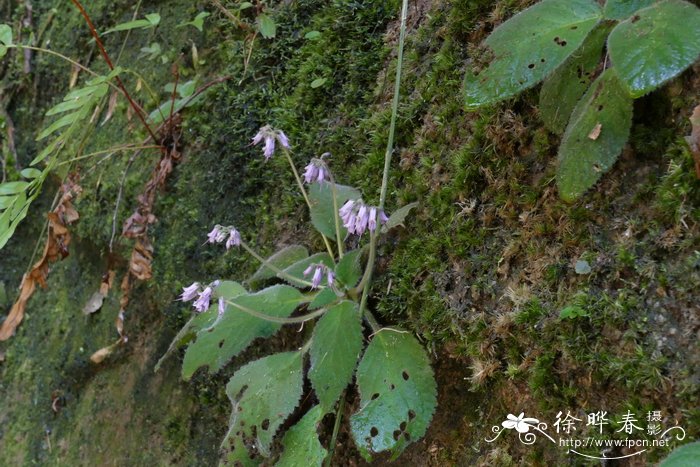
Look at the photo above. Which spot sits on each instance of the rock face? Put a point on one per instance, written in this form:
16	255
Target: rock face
482	272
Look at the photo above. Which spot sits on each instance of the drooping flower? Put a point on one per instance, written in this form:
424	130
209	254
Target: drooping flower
188	293
318	270
282	138
217	234
316	280
269	149
270	135
202	302
234	238
316	171
222	306
331	277
358	217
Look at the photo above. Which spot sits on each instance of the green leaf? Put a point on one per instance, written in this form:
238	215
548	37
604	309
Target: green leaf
266	26
12	188
655	45
597	132
317	83
30	172
151	20
322	209
282	259
296	270
397	394
622	9
5	34
263	394
3	51
66	120
564	88
6	201
301	444
236	329
397	218
683	456
323	298
529	46
245	6
312	35
197	22
349	269
572	311
335	348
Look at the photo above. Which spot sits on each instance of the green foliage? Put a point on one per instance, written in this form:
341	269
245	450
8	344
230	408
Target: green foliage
284	258
323	207
294	274
301	444
398	395
198	21
572	312
266	26
5	38
335	348
684	456
349	269
557	41
263	394
397	217
150	21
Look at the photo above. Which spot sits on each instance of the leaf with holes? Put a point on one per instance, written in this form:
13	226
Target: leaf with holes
282	259
529	46
349	268
323	210
607	107
226	289
651	47
398	394
263	394
335	348
622	9
564	88
236	329
301	444
297	269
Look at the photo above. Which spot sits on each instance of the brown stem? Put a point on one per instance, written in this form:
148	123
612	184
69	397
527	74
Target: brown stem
105	55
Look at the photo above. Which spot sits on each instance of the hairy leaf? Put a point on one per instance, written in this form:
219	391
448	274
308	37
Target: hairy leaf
236	329
397	394
335	348
263	394
529	46
301	444
323	298
623	9
297	269
323	212
655	44
683	456
282	259
607	108
563	89
349	269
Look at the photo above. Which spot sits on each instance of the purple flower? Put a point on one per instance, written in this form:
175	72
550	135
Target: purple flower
358	217
269	147
330	277
217	235
362	220
316	280
308	270
234	238
310	172
282	138
188	293
316	171
347	207
202	303
222	306
269	135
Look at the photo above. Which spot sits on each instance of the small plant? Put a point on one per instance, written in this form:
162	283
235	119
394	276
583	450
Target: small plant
327	292
594	62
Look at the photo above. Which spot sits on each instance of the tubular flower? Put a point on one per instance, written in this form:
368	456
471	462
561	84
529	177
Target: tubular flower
217	235
330	275
318	270
269	135
202	302
316	171
358	217
234	238
188	293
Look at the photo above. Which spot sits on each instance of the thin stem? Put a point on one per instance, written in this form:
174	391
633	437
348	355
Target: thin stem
277	319
367	277
336	429
59	55
336	217
274	268
306	197
107	151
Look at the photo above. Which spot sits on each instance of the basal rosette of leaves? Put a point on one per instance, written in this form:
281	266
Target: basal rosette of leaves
593	62
322	290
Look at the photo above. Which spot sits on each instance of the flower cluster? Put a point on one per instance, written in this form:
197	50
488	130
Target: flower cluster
316	171
318	270
201	304
269	135
220	233
358	217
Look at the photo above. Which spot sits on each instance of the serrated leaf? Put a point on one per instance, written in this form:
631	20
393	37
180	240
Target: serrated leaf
398	217
301	444
296	270
266	26
652	47
529	46
335	348
398	394
324	297
263	394
623	9
349	269
322	208
683	456
564	88
12	188
282	259
236	329
582	159
5	34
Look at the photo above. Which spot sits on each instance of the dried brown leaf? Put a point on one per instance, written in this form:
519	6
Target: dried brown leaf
595	132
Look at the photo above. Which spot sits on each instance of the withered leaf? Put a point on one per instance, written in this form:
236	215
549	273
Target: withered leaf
595	132
94	303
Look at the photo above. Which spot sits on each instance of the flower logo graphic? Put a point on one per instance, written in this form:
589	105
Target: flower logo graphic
520	423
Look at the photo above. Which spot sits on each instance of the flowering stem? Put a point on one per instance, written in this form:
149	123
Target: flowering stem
336	218
274	268
367	277
278	319
306	197
336	429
